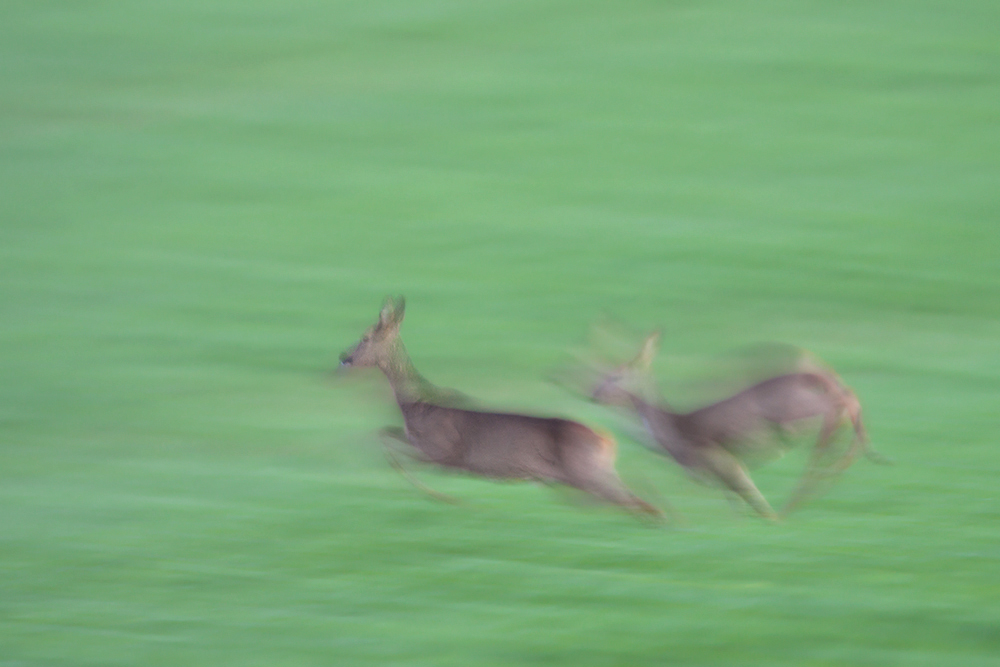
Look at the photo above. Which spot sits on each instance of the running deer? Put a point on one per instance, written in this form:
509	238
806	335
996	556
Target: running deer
708	442
491	444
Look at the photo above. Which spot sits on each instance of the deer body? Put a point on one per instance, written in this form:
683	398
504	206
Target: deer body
501	445
709	441
498	445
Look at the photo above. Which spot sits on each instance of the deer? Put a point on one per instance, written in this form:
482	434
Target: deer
441	431
708	442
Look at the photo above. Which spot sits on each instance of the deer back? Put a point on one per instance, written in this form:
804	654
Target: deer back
780	400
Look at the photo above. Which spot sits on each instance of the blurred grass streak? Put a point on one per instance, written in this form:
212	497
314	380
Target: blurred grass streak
204	204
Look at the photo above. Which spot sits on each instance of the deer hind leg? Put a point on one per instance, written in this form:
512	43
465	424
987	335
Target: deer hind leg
592	470
862	437
858	446
845	462
392	434
727	469
609	487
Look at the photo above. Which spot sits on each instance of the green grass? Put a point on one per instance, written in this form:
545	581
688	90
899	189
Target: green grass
203	204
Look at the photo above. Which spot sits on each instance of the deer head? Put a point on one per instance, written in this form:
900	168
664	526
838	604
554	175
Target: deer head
616	386
380	339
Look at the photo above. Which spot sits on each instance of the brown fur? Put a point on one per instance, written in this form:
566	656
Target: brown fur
490	444
710	441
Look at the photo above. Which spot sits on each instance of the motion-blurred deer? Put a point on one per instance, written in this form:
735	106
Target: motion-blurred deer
708	442
491	444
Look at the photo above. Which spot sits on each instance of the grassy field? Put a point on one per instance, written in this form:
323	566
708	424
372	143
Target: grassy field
204	203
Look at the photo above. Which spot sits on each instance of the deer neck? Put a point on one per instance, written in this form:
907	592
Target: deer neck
645	409
407	383
661	422
646	400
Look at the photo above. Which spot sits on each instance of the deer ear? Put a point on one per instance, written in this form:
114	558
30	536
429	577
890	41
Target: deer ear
392	312
399	309
650	346
385	315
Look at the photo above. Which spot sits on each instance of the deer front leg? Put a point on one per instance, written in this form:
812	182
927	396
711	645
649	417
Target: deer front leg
727	469
392	434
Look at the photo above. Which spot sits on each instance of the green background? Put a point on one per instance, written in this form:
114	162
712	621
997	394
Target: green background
203	203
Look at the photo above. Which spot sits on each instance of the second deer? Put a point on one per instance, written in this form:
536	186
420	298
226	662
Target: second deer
708	442
491	444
